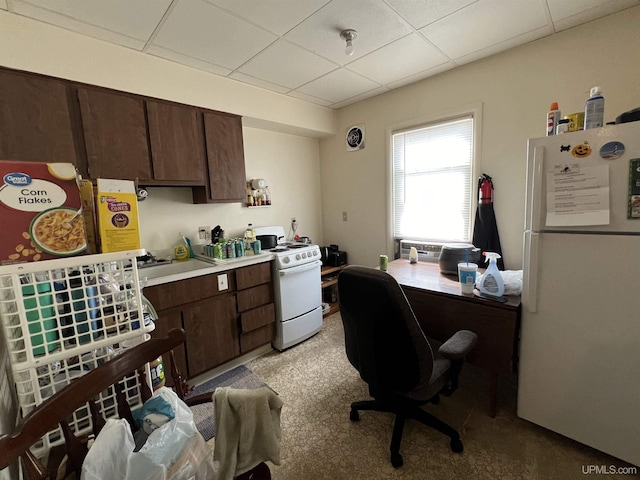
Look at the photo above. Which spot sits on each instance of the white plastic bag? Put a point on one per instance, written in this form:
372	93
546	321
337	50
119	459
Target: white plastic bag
175	451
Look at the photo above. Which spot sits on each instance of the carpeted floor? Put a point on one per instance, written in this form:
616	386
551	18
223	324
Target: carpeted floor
317	384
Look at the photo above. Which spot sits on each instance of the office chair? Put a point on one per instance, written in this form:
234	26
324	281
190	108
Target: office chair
385	343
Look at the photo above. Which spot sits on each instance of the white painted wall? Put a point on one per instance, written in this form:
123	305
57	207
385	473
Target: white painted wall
515	88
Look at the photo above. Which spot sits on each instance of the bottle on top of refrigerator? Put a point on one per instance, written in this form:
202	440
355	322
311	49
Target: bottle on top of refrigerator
553	117
594	109
491	282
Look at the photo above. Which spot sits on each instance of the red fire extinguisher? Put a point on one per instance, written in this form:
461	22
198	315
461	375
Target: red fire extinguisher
485	189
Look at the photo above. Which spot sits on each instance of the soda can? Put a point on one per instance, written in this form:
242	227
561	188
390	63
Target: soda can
384	262
257	247
240	248
217	251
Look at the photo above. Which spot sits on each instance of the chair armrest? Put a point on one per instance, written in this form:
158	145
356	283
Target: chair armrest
461	343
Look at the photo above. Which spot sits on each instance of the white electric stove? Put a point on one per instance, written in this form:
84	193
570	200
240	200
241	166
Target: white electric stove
297	289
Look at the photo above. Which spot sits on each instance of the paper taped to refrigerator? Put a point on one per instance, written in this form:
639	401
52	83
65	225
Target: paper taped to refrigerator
577	195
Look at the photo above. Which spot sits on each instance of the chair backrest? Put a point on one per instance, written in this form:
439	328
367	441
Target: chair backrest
58	408
383	339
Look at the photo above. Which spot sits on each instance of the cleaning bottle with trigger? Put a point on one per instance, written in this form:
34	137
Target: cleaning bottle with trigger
491	282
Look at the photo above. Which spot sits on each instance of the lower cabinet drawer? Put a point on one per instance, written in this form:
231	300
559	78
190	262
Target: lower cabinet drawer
257	338
257	318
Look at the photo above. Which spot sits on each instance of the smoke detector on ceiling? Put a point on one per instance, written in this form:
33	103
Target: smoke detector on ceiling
355	138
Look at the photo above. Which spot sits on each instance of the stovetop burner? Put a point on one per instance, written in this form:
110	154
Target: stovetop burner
283	247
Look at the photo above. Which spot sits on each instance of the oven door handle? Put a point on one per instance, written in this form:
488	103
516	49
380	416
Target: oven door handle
300	269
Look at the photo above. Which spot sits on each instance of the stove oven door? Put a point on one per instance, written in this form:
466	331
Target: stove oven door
299	290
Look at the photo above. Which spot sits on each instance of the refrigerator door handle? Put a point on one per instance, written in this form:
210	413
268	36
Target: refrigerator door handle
537	187
530	284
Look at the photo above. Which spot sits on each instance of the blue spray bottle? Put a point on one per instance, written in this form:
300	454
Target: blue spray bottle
491	282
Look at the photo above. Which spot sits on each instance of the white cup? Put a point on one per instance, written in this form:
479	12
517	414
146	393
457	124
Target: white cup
467	273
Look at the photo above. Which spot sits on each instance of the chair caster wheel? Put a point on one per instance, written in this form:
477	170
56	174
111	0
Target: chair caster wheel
456	445
396	460
354	416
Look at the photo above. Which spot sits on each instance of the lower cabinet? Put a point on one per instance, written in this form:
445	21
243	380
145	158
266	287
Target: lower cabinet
255	306
219	325
212	333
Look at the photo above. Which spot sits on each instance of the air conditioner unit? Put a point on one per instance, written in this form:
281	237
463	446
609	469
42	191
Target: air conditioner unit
427	251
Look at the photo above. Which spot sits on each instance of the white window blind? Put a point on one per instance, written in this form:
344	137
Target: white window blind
432	181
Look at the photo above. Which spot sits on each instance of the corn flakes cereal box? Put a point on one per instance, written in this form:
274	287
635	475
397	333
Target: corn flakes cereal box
118	223
40	212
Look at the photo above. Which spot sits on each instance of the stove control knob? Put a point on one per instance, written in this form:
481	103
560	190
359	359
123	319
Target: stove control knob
298	256
315	253
304	255
286	259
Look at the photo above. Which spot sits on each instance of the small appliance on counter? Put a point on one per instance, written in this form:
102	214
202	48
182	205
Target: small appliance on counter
454	253
332	256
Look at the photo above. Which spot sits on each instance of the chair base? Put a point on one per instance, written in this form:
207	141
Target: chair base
402	411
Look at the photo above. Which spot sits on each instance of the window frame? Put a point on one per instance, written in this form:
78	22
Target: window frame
475	111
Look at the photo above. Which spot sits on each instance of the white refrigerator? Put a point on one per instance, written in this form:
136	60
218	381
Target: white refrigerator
579	367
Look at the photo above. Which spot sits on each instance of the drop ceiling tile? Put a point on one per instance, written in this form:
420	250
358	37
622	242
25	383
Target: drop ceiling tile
309	98
338	85
484	23
286	64
400	59
241	77
206	32
377	25
570	14
188	61
359	98
420	14
506	45
277	16
422	75
97	18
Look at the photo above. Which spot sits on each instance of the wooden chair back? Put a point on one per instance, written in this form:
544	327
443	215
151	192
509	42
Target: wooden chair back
57	409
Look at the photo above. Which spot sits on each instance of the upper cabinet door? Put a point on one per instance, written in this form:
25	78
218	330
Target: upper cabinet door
225	158
177	143
35	122
115	133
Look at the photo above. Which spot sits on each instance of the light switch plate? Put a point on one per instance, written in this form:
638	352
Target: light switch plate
223	282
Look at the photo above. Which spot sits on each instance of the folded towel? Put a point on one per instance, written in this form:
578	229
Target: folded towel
247	429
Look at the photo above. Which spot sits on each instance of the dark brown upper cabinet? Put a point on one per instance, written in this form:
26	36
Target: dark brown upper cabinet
115	134
35	119
225	160
111	134
177	143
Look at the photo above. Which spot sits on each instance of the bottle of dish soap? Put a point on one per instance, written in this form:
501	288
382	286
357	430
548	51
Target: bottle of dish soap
491	282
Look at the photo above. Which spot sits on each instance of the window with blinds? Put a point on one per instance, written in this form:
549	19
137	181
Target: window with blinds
432	181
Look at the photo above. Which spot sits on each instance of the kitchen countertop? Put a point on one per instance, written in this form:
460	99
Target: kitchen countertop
195	267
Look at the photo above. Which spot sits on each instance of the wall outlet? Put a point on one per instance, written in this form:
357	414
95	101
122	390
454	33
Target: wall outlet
223	282
204	233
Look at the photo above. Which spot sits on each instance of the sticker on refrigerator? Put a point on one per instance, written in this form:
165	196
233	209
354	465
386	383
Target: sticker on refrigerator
634	189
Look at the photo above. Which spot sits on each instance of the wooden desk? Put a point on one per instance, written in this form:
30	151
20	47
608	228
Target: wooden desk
442	310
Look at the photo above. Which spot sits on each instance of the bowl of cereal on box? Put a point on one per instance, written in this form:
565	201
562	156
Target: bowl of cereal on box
59	231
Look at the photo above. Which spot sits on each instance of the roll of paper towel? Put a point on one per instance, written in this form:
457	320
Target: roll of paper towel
258	183
413	255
